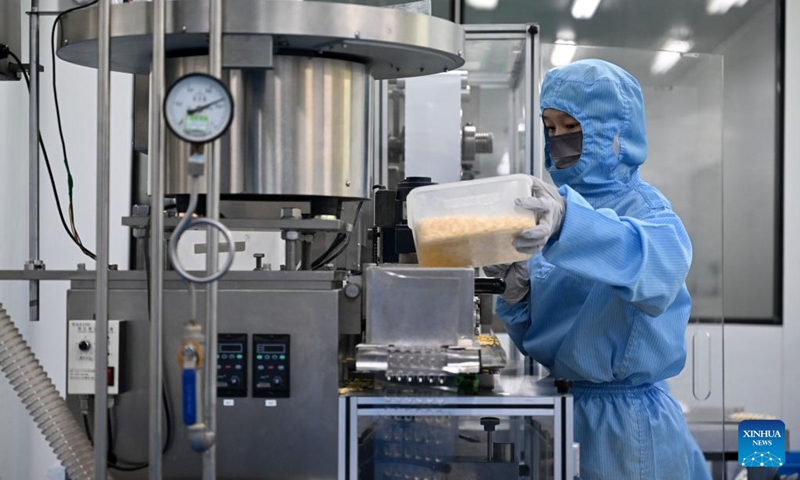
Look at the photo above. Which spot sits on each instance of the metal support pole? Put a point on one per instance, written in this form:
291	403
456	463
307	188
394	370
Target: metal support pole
291	250
101	285
213	174
34	263
305	252
157	154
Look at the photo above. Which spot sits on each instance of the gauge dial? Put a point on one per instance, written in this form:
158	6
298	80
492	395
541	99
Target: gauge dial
198	108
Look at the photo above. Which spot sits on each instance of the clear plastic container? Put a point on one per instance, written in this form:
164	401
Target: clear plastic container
471	223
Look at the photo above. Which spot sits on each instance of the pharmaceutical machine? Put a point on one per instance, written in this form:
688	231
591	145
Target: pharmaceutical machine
330	354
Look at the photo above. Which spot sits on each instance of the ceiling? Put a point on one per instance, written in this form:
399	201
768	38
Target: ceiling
643	24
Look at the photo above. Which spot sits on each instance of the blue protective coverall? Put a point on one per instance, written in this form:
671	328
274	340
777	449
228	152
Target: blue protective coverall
608	306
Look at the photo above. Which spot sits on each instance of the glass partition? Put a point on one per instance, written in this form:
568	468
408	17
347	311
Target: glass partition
684	113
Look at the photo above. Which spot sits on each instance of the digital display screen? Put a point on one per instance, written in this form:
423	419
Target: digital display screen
271	348
230	348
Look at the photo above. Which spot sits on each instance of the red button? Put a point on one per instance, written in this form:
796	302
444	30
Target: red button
271	367
110	376
228	367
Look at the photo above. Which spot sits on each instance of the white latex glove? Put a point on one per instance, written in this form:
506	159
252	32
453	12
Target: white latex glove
516	276
549	207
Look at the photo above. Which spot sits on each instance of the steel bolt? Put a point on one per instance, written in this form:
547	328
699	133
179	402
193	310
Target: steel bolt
140	210
259	257
288	213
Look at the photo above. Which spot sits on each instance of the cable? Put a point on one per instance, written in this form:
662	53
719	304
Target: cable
328	257
16	59
114	461
341	237
87	429
337	247
70	183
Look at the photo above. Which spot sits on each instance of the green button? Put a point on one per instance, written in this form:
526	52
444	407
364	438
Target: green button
239	357
283	357
259	357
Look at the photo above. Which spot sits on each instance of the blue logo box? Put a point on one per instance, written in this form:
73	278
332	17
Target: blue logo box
762	443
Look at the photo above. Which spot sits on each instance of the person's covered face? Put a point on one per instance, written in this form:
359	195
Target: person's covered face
564	137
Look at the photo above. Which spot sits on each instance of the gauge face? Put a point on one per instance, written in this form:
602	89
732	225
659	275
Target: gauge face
198	108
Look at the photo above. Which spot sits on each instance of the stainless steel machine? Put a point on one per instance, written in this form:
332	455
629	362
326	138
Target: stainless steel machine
334	365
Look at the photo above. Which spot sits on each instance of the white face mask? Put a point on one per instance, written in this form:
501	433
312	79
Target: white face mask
565	150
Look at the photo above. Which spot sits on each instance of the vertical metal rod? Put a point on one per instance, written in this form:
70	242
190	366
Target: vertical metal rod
305	255
489	443
213	174
101	284
291	255
33	159
157	154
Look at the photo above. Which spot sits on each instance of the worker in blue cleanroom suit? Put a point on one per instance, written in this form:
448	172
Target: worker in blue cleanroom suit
603	301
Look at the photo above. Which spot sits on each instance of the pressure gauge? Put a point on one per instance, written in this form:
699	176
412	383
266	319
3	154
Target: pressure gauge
198	108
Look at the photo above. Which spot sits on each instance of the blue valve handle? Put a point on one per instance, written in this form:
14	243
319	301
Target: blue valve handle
189	397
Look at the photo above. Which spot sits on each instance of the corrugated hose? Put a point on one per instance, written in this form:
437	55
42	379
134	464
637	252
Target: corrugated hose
40	397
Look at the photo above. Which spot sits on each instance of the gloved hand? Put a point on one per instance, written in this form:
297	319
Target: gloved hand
516	276
549	206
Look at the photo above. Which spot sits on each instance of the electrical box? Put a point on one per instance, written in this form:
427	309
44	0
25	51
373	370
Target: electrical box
11	35
80	356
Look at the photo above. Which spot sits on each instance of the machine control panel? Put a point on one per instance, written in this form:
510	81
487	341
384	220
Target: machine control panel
271	361
80	356
232	365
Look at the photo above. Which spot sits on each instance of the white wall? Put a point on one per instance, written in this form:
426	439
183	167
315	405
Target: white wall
23	452
15	430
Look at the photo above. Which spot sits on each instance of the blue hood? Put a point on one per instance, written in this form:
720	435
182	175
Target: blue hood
608	103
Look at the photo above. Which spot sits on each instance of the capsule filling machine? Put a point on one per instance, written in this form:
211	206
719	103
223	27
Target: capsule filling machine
320	364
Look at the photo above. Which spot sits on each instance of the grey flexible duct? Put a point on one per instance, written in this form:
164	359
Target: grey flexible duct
45	405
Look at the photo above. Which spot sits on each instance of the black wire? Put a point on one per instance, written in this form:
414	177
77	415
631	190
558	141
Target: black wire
87	429
126	468
76	236
114	461
323	260
338	246
47	163
341	237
